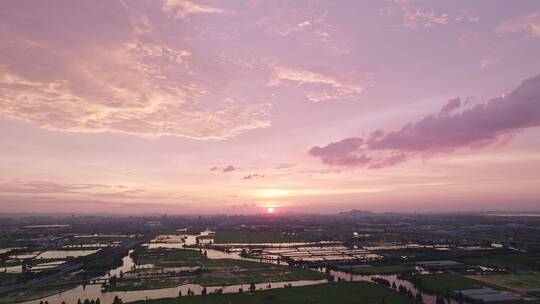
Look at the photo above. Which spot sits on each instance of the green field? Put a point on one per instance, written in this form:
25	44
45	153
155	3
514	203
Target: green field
516	282
232	263
32	293
98	239
511	262
7	278
10	263
221	272
223	237
377	269
342	293
443	283
147	285
6	241
102	262
169	257
258	276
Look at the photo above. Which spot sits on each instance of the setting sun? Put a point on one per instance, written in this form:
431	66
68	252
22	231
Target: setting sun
270	210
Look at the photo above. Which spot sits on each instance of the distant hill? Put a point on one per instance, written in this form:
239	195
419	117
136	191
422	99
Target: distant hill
356	212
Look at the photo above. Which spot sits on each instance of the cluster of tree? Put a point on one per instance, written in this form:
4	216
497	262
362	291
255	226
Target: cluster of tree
418	298
381	281
440	300
97	301
113	280
117	300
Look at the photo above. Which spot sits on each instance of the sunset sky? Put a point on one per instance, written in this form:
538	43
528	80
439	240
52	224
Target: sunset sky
181	106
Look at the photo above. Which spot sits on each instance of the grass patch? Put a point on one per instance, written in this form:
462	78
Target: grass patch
33	293
99	239
378	269
343	293
10	263
232	263
7	278
259	276
146	285
101	262
169	257
516	282
6	241
445	283
511	262
223	272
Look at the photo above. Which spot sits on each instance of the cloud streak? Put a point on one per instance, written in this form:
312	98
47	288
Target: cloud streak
318	87
491	123
124	82
183	9
527	23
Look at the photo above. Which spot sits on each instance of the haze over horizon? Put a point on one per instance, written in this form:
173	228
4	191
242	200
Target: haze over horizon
246	107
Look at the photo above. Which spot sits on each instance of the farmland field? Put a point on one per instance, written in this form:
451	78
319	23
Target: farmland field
516	282
442	283
511	262
343	293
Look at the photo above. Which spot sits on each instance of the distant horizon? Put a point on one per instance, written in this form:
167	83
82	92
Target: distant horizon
266	214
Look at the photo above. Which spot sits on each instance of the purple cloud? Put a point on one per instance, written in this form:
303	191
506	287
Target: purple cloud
229	168
487	124
450	106
346	153
251	176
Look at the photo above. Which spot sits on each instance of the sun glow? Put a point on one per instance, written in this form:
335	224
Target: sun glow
270	210
273	193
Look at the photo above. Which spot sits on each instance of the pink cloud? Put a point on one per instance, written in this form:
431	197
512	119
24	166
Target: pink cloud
488	124
419	17
528	23
468	38
284	166
183	9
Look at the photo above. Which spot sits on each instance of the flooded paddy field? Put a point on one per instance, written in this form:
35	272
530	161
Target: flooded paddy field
312	254
165	272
